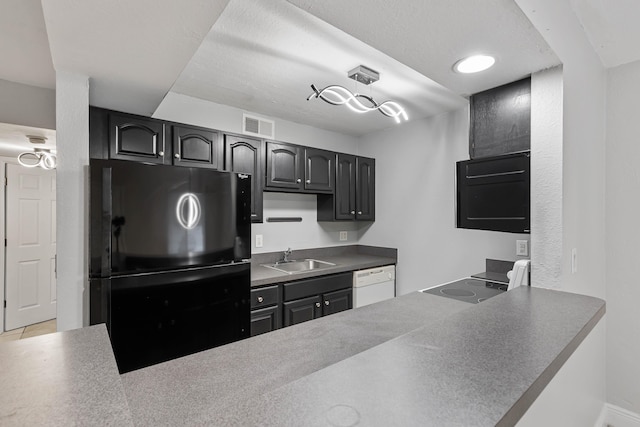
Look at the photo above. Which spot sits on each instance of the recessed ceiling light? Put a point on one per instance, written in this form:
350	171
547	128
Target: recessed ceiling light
474	64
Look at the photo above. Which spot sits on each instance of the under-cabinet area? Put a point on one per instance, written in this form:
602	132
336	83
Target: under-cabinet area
344	183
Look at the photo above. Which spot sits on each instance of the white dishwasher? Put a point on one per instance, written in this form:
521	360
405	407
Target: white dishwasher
373	285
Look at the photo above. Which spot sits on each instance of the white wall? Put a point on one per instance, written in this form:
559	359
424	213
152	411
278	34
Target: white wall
583	174
415	203
623	234
27	105
72	137
276	236
546	178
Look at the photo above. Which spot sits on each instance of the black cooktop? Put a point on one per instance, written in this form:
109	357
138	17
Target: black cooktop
468	290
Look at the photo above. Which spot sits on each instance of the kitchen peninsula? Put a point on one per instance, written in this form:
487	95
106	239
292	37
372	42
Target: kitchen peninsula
414	359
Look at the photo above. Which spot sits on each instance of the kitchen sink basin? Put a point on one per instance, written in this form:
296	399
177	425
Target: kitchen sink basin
299	266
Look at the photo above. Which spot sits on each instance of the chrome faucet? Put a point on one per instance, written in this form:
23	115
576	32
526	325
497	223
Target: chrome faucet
287	253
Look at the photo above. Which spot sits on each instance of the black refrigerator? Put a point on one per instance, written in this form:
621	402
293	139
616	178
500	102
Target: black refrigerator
169	259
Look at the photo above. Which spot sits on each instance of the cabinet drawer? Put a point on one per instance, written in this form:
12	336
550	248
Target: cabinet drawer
318	285
262	297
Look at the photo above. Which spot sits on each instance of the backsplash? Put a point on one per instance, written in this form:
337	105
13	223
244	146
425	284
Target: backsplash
308	233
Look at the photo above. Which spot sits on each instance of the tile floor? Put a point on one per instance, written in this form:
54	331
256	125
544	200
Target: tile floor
29	331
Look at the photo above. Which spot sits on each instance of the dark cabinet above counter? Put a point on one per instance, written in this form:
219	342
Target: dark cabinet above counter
300	169
344	183
122	136
354	197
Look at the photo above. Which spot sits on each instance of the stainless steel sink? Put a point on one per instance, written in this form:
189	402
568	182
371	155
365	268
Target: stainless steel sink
299	266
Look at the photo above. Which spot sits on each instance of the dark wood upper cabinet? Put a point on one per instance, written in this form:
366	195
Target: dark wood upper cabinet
365	188
197	147
500	120
345	197
244	155
319	170
284	166
354	197
137	138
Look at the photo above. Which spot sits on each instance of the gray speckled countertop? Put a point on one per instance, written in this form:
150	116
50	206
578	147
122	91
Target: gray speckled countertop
345	258
418	359
66	378
415	360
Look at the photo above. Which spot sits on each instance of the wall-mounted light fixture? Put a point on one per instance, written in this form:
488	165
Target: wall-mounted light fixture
42	157
339	95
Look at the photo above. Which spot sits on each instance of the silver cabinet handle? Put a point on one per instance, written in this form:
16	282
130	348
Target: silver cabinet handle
326	303
177	156
161	154
298	180
353	212
308	181
260	299
359	212
318	304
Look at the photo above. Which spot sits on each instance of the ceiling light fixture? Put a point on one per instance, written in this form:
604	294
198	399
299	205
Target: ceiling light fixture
339	95
474	64
39	156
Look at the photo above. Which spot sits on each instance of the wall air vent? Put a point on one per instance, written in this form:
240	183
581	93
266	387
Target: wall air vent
257	126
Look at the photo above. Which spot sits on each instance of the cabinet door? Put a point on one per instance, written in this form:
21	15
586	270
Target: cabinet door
137	138
319	170
197	147
335	302
365	189
345	198
283	166
244	155
265	320
301	310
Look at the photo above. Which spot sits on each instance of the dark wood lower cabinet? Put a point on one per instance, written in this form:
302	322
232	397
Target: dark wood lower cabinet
266	310
265	320
335	302
320	296
302	310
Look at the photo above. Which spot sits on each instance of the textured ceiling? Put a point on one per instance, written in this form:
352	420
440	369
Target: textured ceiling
135	50
263	57
612	28
132	51
24	47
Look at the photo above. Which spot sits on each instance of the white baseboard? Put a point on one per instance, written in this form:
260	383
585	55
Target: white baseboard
615	416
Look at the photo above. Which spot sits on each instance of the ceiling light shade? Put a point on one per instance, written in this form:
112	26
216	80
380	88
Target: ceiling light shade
358	103
39	156
338	95
474	64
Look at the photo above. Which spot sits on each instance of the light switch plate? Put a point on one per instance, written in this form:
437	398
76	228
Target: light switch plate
258	240
343	236
522	248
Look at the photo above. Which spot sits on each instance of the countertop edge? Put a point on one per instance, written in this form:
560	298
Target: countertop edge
523	404
277	277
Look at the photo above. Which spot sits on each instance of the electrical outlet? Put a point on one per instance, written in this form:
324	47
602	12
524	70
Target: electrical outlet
259	240
574	260
522	248
343	236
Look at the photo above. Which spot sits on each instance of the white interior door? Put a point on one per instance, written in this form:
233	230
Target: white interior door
30	283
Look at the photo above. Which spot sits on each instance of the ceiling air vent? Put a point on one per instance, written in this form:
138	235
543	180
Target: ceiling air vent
257	126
